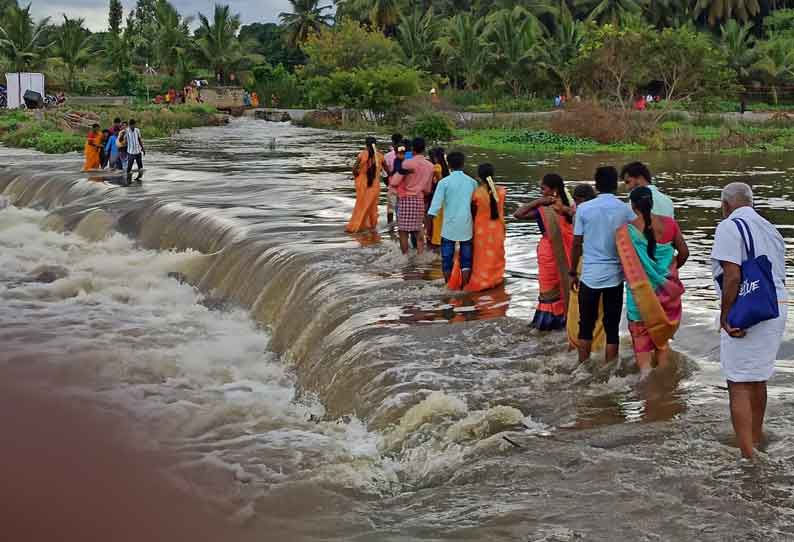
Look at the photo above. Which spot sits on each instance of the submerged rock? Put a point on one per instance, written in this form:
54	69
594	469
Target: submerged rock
47	274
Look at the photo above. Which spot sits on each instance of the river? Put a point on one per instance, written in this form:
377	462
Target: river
312	385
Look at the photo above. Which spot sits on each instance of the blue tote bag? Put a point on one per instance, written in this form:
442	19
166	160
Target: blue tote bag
757	299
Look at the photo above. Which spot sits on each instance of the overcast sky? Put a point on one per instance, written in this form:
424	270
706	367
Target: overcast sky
95	12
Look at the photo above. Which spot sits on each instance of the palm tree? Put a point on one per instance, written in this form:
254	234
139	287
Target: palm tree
414	33
610	11
737	43
172	35
463	47
561	49
384	14
73	46
722	10
513	36
218	46
669	13
307	17
777	62
22	40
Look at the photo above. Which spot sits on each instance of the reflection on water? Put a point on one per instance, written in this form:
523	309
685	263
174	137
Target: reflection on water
323	386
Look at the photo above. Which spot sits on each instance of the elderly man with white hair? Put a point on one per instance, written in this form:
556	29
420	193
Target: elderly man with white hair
747	356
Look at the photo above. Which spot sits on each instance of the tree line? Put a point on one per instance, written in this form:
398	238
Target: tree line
373	53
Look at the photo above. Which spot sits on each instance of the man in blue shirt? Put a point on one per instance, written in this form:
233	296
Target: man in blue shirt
454	194
597	221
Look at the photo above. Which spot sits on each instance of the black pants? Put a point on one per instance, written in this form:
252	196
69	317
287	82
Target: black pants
134	159
589	300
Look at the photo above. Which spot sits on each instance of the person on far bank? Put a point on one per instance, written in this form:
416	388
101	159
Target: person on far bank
412	187
135	151
454	194
747	356
637	174
594	241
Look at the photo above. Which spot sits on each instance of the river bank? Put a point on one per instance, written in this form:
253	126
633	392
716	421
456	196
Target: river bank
585	129
63	130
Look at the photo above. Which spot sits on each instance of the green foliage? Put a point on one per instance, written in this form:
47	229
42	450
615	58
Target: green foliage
378	89
539	141
271	43
348	46
462	46
73	46
737	43
514	36
416	31
723	10
278	81
22	41
115	16
433	127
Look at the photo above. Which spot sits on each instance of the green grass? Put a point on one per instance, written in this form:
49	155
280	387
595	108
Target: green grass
537	141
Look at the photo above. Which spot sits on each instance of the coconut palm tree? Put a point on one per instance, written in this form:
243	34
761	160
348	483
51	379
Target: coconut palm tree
513	35
22	40
463	47
218	46
777	62
172	35
73	46
414	33
609	11
722	10
307	17
384	14
562	47
737	43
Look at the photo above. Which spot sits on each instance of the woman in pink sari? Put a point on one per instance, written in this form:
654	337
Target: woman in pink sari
554	212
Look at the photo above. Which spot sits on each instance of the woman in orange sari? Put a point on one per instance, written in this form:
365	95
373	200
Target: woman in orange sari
488	207
367	172
93	144
554	212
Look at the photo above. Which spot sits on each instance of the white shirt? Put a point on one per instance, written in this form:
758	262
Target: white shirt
751	358
134	141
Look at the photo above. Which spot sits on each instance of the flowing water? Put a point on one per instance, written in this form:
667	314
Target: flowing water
318	386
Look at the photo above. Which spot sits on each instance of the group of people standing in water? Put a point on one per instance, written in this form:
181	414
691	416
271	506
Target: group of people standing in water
436	204
119	147
595	250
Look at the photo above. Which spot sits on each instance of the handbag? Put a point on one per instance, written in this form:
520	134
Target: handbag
757	299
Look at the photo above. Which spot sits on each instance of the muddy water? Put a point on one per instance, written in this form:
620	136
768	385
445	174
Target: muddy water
317	386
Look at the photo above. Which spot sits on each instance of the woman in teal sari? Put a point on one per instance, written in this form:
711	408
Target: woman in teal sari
651	249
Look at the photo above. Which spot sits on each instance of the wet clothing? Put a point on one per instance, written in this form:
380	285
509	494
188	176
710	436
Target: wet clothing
454	194
466	255
365	213
589	302
488	267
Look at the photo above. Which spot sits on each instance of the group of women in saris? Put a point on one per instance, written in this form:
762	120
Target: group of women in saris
488	203
651	250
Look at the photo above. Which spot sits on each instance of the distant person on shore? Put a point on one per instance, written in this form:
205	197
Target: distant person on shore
391	196
454	194
93	145
488	264
637	174
601	280
554	212
135	151
747	356
366	172
652	250
440	171
411	190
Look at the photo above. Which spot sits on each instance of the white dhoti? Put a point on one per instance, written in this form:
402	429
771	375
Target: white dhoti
752	358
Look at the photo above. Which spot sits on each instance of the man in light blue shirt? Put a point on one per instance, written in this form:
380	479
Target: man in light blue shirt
637	174
454	195
597	221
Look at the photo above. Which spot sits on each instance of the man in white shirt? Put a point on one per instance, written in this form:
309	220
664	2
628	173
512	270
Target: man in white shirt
747	356
135	151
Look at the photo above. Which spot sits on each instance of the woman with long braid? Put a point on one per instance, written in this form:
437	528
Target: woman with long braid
367	173
488	206
651	250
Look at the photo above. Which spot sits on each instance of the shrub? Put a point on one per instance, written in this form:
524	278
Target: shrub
433	127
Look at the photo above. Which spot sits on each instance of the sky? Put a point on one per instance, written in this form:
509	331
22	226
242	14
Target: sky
95	12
